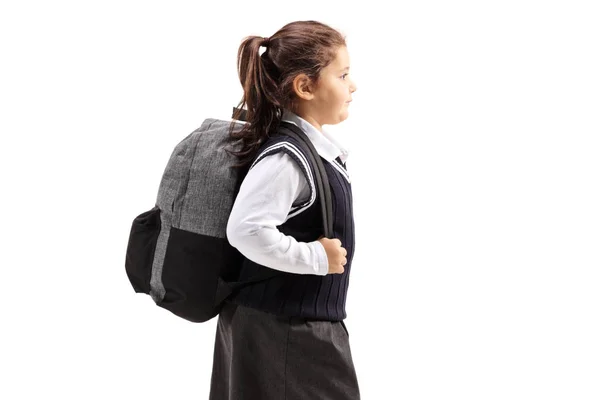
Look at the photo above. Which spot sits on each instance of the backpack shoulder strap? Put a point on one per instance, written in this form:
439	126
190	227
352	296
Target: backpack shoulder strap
322	181
298	138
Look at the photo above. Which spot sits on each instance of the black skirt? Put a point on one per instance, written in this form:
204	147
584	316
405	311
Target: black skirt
261	356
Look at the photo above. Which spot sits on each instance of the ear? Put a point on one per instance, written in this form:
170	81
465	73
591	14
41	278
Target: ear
303	87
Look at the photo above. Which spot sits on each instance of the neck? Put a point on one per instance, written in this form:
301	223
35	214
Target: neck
312	121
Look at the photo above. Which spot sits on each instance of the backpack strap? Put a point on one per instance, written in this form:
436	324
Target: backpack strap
224	289
322	181
295	132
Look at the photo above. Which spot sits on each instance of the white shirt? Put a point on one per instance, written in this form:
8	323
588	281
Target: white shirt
265	199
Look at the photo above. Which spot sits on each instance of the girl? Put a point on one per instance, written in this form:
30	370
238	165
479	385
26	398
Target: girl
284	338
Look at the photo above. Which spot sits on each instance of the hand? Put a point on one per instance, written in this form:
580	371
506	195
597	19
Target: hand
336	254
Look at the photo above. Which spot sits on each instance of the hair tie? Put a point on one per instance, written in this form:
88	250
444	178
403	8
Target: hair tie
265	41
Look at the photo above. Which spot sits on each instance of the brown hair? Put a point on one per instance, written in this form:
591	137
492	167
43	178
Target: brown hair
299	47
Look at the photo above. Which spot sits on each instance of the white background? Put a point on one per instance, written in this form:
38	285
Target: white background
475	161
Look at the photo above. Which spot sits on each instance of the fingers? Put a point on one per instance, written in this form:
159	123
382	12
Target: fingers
338	243
336	253
343	253
338	266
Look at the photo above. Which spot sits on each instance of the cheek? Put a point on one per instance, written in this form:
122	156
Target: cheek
343	97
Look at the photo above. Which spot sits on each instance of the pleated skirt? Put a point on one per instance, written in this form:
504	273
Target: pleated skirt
261	356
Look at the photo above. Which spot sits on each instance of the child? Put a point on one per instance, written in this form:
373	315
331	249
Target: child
284	338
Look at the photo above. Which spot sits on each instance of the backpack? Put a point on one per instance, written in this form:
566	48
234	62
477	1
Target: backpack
178	251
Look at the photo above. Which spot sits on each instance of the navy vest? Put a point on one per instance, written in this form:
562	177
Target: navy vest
298	295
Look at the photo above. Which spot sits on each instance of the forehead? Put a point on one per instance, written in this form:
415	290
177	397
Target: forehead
342	58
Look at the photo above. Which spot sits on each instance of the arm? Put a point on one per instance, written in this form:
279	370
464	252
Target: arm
265	198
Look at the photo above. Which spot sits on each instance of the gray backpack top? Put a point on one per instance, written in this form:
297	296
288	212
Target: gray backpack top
178	251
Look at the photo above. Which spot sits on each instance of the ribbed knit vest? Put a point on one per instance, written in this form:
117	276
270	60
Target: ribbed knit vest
305	295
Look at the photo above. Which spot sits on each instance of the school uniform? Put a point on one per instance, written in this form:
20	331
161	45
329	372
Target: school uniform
285	338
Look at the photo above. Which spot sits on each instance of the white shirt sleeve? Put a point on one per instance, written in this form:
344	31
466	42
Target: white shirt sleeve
265	198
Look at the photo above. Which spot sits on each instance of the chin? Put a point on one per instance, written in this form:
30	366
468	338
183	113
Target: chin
341	117
344	115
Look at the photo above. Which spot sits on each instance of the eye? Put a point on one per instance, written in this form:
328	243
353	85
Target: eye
344	76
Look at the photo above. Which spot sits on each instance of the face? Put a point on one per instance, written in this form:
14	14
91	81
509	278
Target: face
328	101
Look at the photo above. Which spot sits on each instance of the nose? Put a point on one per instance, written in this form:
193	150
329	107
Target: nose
352	87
